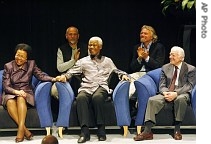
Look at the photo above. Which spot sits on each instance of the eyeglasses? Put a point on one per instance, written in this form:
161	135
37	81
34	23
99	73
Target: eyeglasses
20	56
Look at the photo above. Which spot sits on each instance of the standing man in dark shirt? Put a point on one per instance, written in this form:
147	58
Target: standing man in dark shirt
69	53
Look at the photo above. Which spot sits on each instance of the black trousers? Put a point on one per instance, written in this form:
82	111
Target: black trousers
85	101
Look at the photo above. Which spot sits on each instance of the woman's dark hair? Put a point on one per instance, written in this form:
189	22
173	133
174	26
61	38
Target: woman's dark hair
25	47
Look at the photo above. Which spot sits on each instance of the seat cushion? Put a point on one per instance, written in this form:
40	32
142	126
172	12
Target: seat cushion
32	119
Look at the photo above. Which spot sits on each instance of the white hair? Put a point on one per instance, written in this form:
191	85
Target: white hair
96	38
179	51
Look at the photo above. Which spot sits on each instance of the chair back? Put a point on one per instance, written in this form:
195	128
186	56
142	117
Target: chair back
1	88
193	99
155	75
35	82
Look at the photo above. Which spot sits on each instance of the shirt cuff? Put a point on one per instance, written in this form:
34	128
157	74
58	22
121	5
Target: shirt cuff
147	59
139	60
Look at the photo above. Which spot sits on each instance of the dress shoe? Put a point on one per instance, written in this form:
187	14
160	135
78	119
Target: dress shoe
29	137
177	135
17	140
101	137
143	136
101	133
83	139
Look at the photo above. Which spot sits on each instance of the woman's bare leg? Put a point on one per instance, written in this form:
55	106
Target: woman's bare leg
17	110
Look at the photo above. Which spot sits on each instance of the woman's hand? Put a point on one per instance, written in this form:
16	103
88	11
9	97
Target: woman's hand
61	78
20	93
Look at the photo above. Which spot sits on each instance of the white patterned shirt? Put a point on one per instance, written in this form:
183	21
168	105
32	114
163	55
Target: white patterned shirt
95	72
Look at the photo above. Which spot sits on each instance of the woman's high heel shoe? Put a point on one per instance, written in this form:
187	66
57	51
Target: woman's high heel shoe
17	140
60	132
29	137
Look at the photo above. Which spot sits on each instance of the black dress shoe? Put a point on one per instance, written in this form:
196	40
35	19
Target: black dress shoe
101	137
83	139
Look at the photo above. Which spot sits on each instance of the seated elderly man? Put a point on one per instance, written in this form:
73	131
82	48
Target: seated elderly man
176	83
96	70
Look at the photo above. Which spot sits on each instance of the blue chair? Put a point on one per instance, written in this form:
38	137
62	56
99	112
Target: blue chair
121	105
43	104
193	100
146	87
116	106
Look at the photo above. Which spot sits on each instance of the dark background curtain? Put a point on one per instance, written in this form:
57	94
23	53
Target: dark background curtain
42	24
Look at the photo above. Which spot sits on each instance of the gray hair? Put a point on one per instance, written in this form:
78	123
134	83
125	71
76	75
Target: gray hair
150	28
96	38
180	51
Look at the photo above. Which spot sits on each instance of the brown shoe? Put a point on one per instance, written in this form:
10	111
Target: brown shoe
177	135
143	136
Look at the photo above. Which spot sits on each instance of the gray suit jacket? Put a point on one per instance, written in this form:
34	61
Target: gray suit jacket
186	81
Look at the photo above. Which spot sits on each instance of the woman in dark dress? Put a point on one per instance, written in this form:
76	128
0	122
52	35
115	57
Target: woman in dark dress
18	93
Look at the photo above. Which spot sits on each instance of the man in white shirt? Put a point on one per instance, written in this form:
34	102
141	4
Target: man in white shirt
94	89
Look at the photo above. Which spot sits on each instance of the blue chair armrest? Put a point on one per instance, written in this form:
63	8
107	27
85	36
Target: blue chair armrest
193	100
145	87
43	103
66	98
121	103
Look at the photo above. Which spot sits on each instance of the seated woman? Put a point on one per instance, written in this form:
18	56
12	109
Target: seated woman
18	93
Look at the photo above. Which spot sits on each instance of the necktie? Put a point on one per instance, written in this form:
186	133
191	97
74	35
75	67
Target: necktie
172	85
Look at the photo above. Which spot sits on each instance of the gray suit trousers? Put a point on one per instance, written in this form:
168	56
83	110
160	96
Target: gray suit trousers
157	102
